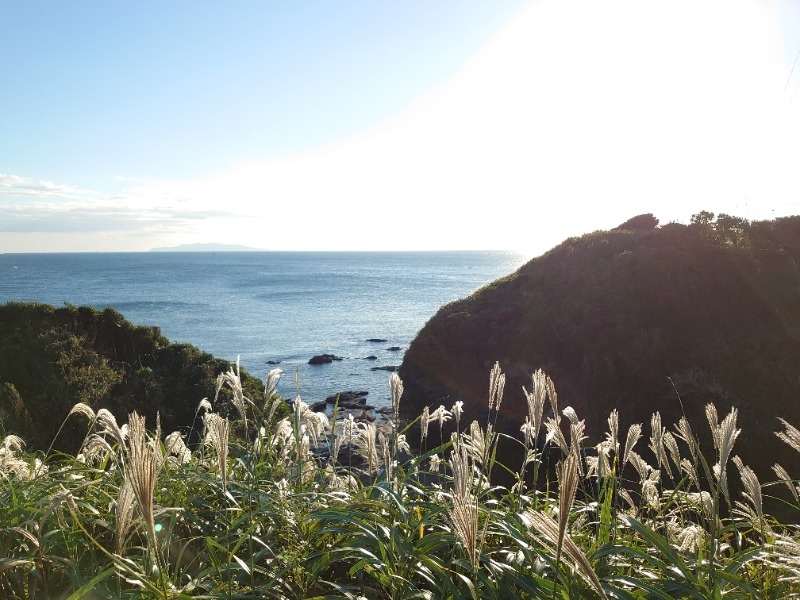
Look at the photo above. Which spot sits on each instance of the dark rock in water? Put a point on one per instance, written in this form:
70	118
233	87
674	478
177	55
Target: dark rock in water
274	362
390	368
320	406
377	340
384	410
641	319
364	416
394	349
352	403
323	359
359	415
346	396
371	357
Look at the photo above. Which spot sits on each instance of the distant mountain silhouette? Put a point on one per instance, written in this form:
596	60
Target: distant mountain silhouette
640	318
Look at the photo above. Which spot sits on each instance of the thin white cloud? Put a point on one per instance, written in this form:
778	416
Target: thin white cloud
33	206
101	215
14	185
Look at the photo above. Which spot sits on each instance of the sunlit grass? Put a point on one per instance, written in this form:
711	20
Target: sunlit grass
257	511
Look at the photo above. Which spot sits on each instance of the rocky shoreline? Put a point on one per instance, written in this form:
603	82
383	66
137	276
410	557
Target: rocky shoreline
353	403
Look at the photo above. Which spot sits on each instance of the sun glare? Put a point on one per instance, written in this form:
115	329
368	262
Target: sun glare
568	121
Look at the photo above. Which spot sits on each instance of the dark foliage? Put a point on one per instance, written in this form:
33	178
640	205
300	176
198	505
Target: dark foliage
52	358
644	222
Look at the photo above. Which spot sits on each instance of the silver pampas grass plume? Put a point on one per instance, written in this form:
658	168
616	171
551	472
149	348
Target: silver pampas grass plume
217	436
144	460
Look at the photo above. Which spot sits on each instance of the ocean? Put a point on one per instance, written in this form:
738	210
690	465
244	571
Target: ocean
279	307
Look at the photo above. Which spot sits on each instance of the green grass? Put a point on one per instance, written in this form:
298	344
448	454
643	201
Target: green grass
655	516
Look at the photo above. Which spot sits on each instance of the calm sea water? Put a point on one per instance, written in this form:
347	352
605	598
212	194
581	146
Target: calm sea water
269	306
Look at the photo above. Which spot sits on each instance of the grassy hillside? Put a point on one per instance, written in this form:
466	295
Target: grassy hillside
639	318
52	358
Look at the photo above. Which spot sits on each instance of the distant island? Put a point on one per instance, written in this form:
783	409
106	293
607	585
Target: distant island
208	248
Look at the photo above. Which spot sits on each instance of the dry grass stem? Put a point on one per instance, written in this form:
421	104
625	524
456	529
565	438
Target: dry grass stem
175	448
657	443
108	426
143	464
791	435
95	449
613	430
497	381
567	472
752	489
784	476
543	524
82	409
366	443
633	437
424	422
687	435
233	380
535	400
126	504
463	511
217	436
271	384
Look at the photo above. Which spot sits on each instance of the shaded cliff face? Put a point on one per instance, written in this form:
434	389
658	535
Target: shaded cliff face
639	318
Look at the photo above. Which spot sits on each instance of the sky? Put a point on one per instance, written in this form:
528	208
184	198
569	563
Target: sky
415	125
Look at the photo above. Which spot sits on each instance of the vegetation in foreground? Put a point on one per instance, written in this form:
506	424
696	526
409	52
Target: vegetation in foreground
267	509
639	318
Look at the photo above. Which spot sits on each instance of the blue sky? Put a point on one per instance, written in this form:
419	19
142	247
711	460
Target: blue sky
365	125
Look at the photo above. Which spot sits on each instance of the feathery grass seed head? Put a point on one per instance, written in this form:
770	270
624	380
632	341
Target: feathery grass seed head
554	433
82	409
126	504
752	487
174	446
13	443
613	430
497	381
535	400
108	426
143	464
271	384
784	476
790	435
633	437
217	436
567	474
463	510
205	405
424	422
687	435
396	387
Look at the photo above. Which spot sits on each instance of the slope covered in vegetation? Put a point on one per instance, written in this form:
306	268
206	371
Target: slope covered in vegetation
52	358
640	318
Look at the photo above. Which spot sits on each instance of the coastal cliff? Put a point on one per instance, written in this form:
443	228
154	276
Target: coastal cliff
640	318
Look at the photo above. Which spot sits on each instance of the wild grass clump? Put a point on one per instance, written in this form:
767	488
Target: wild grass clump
312	507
